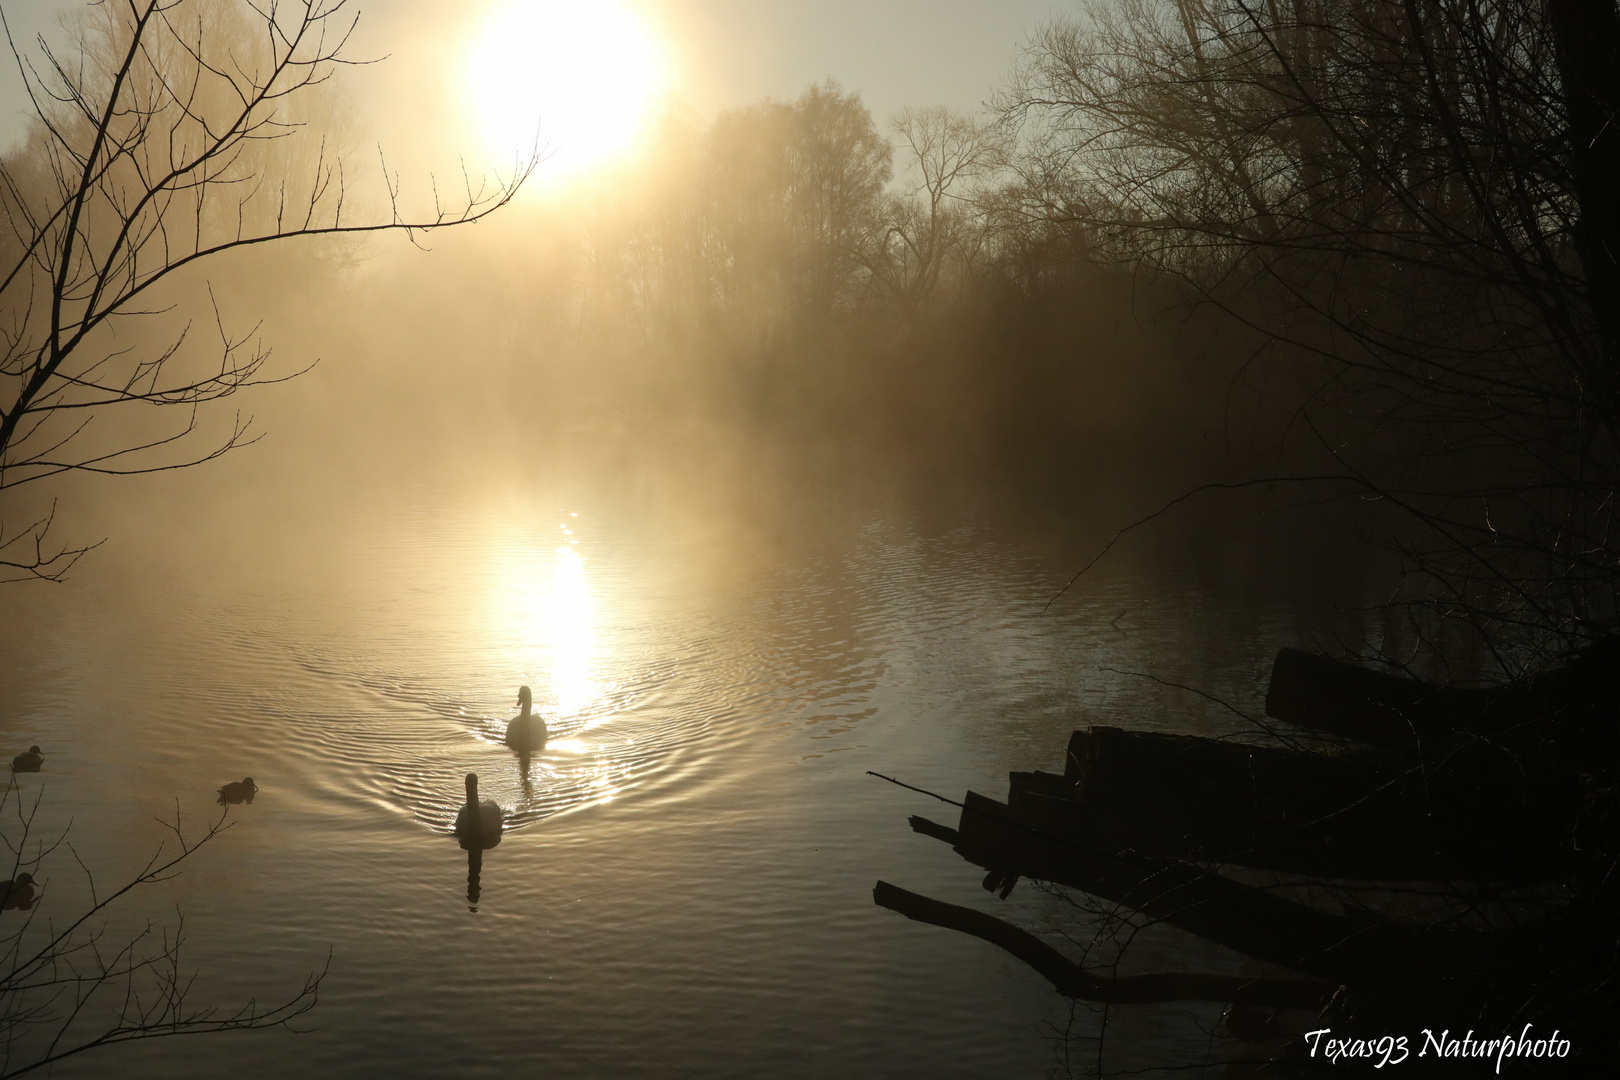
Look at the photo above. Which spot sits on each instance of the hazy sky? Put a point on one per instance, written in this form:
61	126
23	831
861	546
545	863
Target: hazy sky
721	53
896	52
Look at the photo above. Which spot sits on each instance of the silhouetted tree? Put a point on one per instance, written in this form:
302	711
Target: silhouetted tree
1409	203
154	149
934	222
838	164
1417	196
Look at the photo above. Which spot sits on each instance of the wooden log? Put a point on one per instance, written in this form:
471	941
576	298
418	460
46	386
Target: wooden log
1349	815
1073	980
1564	715
1245	918
1108	766
932	828
1356	702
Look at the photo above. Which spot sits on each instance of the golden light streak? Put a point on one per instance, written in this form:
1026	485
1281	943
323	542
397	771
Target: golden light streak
569	635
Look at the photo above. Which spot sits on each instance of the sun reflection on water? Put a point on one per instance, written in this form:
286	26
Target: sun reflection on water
570	636
569	746
551	613
548	610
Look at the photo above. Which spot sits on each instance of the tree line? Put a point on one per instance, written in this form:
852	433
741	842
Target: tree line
1401	208
1398	208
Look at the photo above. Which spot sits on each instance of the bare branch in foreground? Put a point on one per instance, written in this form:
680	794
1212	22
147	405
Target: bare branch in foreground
74	986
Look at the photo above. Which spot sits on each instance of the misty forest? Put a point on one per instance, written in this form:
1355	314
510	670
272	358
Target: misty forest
1114	579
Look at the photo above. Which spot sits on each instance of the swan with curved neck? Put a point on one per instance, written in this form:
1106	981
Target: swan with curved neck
526	731
479	824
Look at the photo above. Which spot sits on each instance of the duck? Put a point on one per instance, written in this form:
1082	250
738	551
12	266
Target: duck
17	894
526	731
238	791
29	762
479	824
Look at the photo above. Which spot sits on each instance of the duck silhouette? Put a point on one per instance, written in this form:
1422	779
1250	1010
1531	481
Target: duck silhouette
29	762
238	791
479	824
527	732
18	895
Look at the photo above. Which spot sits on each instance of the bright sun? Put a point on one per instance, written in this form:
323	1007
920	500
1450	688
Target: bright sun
585	75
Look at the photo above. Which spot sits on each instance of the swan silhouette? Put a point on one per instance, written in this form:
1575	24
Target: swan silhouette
29	762
238	791
526	732
478	825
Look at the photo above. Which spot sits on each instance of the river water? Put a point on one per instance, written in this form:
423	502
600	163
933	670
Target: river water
684	887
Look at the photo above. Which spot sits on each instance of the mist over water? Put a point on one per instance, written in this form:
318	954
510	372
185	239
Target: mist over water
730	603
747	532
685	882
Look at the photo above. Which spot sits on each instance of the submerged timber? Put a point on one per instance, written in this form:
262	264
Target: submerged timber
1491	804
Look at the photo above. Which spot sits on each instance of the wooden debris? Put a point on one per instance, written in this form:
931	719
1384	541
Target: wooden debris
1074	981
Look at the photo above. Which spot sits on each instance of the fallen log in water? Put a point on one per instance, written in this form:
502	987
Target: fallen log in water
1356	702
1396	968
1471	815
1568	712
1073	980
1242	917
1489	786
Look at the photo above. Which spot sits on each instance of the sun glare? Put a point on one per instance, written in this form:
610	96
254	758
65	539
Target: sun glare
570	637
584	76
546	604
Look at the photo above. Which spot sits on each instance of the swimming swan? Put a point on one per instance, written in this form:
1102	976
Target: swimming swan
479	824
238	791
526	731
29	762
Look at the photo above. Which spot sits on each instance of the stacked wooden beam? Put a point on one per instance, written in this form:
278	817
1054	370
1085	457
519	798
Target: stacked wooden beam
1148	820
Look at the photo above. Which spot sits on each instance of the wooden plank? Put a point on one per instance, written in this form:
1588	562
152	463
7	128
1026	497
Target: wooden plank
1472	815
1246	918
1357	702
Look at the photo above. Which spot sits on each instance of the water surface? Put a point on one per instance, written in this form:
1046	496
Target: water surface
684	889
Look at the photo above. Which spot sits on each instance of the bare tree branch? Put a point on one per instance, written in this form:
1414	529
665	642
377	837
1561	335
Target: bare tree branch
152	154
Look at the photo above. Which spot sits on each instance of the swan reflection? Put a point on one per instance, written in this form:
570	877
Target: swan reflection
475	868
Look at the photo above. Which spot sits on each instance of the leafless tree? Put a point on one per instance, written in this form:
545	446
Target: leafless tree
933	222
69	983
1410	195
1408	204
155	148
